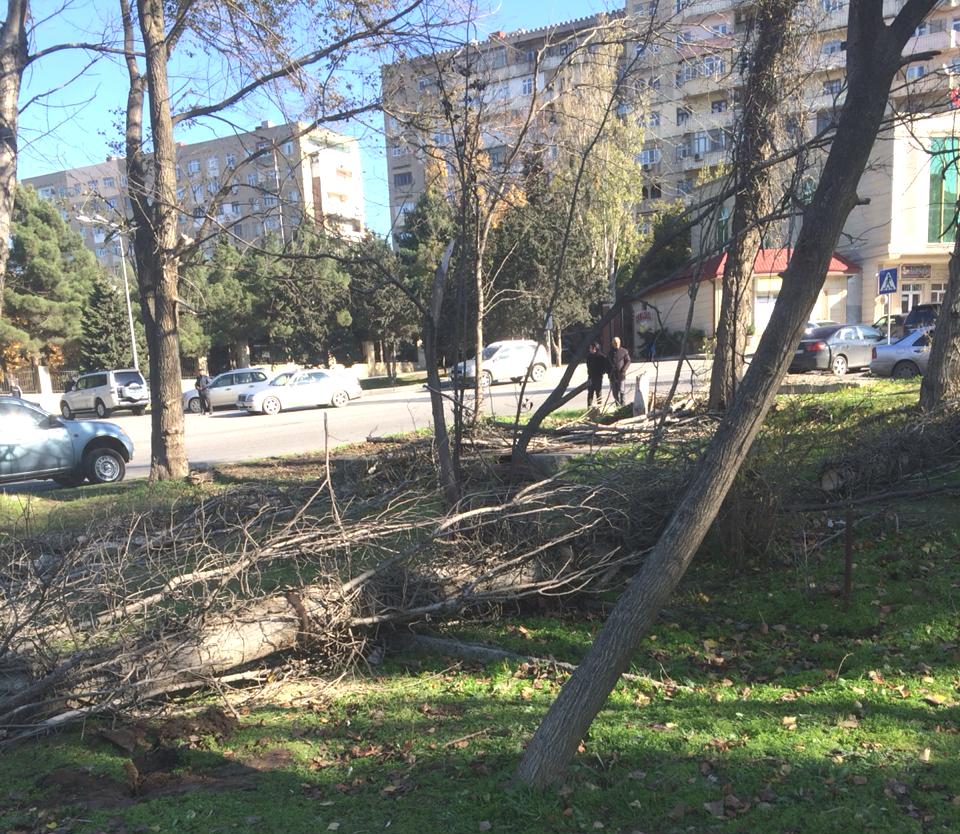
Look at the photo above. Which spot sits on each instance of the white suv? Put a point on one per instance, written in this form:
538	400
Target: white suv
104	392
511	359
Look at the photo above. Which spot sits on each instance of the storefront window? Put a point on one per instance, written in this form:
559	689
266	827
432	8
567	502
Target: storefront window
943	190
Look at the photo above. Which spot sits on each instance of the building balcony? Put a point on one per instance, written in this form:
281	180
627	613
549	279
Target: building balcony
709	84
935	41
700	8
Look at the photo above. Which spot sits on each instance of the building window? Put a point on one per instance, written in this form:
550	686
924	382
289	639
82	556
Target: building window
719	106
230	160
723	227
937	293
832	47
404	178
262	145
649	156
498	57
180	195
237	229
196	191
270	199
653	191
683	114
287	148
213	166
653	119
720	29
909	296
832	5
943	190
915	72
398	150
235	208
193	167
294	196
712	66
252	180
108	182
531	56
685	187
111	202
528	85
91	184
826	119
832	87
701	142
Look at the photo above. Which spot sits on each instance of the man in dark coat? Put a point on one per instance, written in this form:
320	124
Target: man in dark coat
619	363
597	366
203	389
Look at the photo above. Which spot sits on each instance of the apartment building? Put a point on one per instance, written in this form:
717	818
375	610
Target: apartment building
266	181
498	78
688	60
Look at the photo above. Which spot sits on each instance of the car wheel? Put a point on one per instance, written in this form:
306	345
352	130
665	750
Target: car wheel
486	379
100	409
839	365
104	466
69	480
66	411
194	406
905	370
271	406
340	399
538	372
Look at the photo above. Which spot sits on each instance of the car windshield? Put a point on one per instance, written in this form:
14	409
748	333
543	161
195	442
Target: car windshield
913	336
822	332
126	377
490	350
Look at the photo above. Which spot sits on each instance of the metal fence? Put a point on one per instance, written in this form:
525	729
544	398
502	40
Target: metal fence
59	379
27	379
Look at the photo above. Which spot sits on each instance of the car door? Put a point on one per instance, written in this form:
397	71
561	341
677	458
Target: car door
252	381
79	398
843	341
868	338
222	391
321	388
297	392
32	442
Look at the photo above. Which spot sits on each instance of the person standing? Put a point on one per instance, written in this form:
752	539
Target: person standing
203	389
619	363
597	366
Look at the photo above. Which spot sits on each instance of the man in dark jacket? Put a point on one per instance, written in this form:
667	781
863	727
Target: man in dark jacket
597	366
619	363
203	389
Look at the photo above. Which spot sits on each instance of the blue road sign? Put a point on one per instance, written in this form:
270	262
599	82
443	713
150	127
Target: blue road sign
887	280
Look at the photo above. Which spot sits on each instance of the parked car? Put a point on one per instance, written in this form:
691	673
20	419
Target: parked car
301	389
36	444
507	360
904	359
922	315
813	324
104	392
838	348
226	388
897	330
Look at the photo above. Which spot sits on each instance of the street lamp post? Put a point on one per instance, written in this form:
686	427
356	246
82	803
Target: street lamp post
115	227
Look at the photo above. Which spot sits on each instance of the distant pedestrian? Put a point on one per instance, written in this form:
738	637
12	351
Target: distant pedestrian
597	366
71	384
13	385
203	389
619	363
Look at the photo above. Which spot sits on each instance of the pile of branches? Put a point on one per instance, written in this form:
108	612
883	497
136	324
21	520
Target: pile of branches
129	612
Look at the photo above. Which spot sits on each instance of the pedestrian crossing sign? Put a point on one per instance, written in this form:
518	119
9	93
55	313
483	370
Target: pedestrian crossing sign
887	280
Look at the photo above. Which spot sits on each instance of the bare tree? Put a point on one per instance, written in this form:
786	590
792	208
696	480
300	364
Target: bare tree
252	41
13	59
756	140
873	59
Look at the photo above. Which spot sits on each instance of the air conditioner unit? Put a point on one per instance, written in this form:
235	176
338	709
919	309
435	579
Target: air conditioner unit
698	157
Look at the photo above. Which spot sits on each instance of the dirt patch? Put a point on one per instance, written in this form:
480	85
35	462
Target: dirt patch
213	721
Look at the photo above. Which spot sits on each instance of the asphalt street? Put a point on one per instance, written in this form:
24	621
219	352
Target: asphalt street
235	436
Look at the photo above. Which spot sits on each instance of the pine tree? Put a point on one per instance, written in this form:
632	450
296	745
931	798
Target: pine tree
104	337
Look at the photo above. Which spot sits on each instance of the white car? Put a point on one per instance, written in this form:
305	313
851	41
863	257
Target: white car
507	360
226	388
104	392
302	389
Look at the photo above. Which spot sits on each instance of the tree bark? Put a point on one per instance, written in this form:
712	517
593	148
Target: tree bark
755	143
13	58
873	57
156	252
941	382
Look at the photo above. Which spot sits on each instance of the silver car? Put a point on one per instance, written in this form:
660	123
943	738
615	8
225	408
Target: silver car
302	389
104	392
904	359
35	444
226	389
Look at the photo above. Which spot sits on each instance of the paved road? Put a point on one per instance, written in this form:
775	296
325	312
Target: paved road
234	436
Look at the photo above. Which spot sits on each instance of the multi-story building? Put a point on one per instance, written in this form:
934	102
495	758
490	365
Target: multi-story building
687	61
264	182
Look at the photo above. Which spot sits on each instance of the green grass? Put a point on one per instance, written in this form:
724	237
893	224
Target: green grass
374	383
759	688
68	509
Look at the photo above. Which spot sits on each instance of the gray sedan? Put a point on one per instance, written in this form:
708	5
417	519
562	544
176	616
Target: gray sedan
904	359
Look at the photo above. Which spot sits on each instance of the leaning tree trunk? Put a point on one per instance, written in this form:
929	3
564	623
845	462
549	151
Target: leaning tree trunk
755	144
941	382
873	58
159	266
13	58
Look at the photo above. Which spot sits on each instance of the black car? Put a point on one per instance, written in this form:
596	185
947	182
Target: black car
922	315
838	348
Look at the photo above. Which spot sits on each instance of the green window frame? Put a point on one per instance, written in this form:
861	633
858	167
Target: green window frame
942	226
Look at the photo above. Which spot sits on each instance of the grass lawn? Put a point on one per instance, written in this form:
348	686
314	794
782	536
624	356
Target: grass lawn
760	706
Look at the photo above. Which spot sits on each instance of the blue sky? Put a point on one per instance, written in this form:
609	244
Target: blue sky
82	122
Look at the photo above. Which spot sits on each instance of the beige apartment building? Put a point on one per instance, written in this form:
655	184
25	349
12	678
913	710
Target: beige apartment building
296	176
687	63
